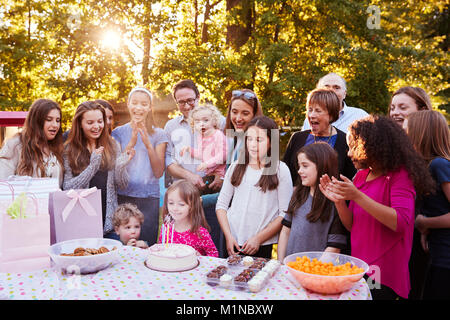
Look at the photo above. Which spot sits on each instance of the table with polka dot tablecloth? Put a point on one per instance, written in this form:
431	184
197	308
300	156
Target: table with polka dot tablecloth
130	279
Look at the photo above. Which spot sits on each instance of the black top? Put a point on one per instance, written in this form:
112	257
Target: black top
298	140
435	205
99	180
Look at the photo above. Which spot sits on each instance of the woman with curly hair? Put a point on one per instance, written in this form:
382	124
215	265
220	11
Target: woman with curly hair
37	150
380	214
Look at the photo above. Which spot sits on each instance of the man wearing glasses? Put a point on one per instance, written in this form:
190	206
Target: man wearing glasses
180	134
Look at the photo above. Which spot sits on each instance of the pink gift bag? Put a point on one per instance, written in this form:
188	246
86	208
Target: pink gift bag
75	214
24	239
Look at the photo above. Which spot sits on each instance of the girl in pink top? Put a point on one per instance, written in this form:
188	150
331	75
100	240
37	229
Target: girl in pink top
186	222
380	215
211	142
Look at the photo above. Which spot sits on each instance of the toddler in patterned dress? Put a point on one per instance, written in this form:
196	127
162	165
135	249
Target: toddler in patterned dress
182	204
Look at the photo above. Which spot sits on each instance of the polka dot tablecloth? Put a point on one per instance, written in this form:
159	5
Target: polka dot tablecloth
130	279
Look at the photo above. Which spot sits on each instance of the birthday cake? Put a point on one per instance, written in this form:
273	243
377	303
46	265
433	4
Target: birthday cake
171	257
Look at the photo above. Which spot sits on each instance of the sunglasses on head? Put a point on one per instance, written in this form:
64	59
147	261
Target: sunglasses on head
245	94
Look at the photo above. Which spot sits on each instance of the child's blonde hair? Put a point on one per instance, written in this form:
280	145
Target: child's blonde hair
124	212
189	193
215	114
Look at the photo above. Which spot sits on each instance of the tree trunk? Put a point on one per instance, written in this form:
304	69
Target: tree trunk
275	40
146	59
208	8
196	21
238	34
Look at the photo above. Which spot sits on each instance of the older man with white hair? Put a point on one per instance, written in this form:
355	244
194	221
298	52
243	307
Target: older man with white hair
347	114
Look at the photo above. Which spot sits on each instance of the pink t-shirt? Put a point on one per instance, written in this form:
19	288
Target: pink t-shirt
374	242
203	243
213	151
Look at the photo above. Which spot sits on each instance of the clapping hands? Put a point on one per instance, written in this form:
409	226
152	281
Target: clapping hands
99	150
336	190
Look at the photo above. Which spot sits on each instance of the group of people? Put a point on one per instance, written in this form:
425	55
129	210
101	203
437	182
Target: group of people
375	187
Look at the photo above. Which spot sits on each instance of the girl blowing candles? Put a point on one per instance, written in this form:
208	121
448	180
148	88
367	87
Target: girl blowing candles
37	150
380	215
182	204
311	222
147	166
429	133
260	186
93	159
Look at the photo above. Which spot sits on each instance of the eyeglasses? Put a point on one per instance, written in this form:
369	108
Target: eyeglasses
188	101
246	94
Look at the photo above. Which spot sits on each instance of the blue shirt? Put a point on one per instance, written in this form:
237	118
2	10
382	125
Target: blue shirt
330	140
142	182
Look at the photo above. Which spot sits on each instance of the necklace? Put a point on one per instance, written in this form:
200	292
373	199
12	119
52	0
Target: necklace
329	138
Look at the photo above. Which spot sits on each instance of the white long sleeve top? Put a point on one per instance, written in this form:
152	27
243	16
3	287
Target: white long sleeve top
251	209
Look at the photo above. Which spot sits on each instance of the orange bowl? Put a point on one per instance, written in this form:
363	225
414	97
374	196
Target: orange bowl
326	284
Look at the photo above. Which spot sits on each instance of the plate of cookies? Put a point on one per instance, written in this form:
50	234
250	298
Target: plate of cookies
82	256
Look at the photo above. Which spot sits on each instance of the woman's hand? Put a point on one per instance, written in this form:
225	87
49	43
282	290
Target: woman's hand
343	190
231	245
420	223
251	246
424	242
142	130
130	152
99	150
134	135
325	186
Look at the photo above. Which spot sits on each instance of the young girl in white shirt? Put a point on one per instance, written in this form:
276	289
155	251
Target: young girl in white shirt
259	187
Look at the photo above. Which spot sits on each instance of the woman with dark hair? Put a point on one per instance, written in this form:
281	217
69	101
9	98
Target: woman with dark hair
243	107
380	214
260	186
407	100
109	113
37	150
93	159
322	109
429	133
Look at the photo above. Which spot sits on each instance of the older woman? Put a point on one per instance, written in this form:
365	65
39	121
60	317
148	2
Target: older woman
407	100
322	109
37	150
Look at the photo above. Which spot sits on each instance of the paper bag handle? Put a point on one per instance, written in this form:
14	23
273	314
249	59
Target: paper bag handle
9	185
